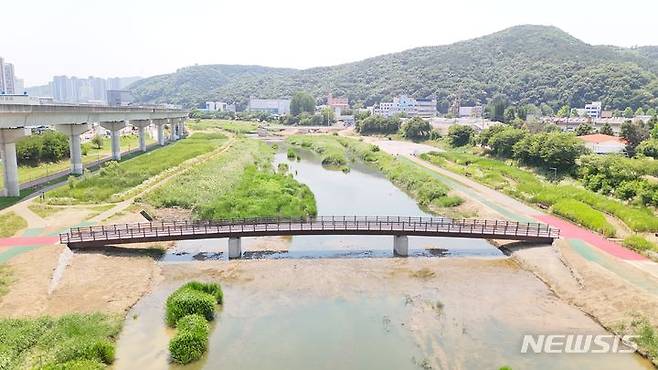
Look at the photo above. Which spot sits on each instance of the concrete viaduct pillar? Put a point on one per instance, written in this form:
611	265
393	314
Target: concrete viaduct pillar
234	248
160	124
115	131
8	138
73	131
141	125
173	125
401	245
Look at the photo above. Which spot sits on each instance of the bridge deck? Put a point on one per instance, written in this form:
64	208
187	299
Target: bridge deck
327	225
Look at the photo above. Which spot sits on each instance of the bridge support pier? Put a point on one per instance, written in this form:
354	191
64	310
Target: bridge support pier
401	245
160	124
73	131
115	131
141	127
173	125
234	248
8	138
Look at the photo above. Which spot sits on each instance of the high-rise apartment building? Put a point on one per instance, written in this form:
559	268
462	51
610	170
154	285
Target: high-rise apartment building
2	76
10	79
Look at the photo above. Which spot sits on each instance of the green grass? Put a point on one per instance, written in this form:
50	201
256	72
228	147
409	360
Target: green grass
639	243
10	224
530	187
584	215
43	210
236	127
29	173
75	341
116	178
330	149
189	309
238	183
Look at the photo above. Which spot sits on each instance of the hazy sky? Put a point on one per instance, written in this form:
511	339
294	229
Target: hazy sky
146	37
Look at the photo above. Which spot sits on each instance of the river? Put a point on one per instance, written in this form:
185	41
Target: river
345	302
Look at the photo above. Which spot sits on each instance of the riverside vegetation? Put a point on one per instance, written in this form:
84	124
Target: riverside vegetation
189	309
74	341
428	191
10	224
240	182
236	127
115	178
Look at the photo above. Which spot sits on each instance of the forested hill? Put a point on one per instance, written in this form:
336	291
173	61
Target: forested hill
529	64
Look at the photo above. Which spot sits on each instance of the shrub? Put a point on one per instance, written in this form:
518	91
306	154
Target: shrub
291	154
191	339
211	288
82	348
460	135
188	301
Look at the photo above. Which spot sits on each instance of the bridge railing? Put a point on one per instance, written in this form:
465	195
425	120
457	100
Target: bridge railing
324	223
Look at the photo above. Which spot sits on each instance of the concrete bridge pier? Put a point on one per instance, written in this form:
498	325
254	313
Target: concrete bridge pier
401	245
234	248
73	131
8	138
173	125
141	125
160	124
115	128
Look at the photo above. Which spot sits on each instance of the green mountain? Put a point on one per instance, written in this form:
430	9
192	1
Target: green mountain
529	64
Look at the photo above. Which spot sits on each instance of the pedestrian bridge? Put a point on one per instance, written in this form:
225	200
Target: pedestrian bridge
234	229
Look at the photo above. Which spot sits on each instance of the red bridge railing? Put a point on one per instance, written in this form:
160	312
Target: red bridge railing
385	225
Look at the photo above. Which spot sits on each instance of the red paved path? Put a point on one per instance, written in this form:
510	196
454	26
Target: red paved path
28	240
571	231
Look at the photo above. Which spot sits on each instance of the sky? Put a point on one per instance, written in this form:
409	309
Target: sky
124	38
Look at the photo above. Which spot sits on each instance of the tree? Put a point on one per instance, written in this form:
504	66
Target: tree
584	128
648	148
416	129
328	116
651	112
639	112
564	111
606	129
628	112
460	135
547	110
496	108
502	142
550	149
97	141
486	134
634	134
509	115
378	125
302	102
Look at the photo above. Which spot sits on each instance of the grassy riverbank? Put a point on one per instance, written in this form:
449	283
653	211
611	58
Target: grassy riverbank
329	148
236	127
75	341
428	191
580	205
91	154
10	224
238	183
116	178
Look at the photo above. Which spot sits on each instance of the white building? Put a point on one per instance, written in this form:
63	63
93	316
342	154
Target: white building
273	106
425	108
604	144
218	106
593	109
470	111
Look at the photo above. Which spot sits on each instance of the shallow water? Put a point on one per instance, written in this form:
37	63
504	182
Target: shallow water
344	303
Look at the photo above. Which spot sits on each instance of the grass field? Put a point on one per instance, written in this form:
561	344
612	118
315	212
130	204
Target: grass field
236	127
116	178
10	223
239	183
75	341
329	148
31	173
530	187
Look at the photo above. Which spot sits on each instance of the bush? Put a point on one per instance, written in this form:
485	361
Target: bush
189	301
191	339
82	348
460	135
211	288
